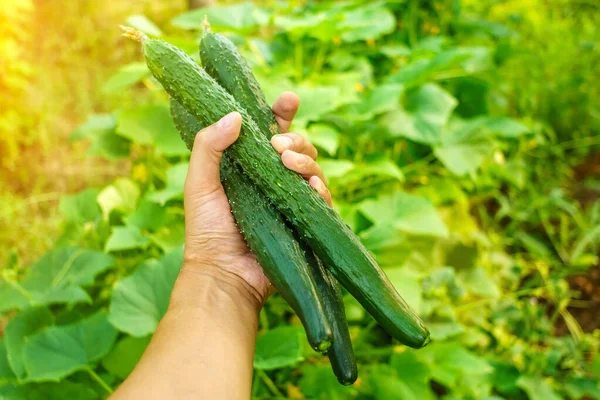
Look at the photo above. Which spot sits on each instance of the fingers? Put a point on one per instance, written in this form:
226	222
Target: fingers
294	142
203	172
302	164
285	108
316	183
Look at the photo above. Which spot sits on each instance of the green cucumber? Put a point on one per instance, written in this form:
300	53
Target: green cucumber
327	234
222	60
341	353
271	241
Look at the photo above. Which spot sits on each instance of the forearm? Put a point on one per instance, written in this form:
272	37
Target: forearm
204	346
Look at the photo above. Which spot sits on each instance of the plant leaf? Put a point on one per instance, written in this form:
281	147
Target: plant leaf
58	351
537	388
126	238
17	334
122	195
279	347
142	23
128	75
405	212
139	301
151	124
175	182
81	207
125	355
238	16
425	112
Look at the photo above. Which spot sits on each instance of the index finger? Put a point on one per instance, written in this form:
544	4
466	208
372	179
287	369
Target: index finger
285	108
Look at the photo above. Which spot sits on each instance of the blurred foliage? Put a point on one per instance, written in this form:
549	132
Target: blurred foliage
459	141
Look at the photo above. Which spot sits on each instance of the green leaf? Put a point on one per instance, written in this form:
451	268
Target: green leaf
169	237
381	99
388	384
94	125
49	391
317	101
319	382
99	129
537	388
6	373
405	212
151	124
324	137
18	333
478	281
578	388
505	127
142	23
122	195
238	16
58	351
464	60
408	283
139	301
464	146
444	330
81	207
335	168
125	355
126	238
451	362
370	22
279	347
425	112
175	182
128	75
57	277
148	216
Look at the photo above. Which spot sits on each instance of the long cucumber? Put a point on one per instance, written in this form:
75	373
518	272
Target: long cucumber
329	237
222	60
271	241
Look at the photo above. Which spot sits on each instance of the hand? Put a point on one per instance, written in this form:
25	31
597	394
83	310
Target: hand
213	245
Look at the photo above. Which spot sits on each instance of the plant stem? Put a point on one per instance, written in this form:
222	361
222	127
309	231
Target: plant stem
270	384
100	381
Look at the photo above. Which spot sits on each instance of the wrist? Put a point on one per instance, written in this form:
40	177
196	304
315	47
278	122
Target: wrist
209	287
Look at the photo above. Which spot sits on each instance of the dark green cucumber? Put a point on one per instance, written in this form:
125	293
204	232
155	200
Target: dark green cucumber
222	60
327	234
273	243
341	353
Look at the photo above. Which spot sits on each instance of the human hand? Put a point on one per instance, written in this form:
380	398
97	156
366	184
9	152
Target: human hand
214	245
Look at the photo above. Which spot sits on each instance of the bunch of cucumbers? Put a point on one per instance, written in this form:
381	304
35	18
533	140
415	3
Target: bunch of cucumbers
305	248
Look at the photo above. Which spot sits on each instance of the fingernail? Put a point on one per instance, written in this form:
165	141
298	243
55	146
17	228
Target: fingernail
284	142
226	121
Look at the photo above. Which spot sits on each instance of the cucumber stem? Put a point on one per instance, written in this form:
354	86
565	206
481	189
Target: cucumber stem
133	34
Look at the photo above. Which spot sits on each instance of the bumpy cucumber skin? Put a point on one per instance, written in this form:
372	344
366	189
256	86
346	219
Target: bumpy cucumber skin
329	237
222	60
273	243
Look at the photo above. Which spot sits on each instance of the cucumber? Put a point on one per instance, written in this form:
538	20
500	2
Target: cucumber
222	60
327	234
341	353
237	78
271	241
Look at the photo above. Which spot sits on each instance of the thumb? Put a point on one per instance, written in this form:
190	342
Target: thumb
203	172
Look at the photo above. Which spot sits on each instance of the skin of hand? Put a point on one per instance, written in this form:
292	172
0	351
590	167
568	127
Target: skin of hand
203	348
